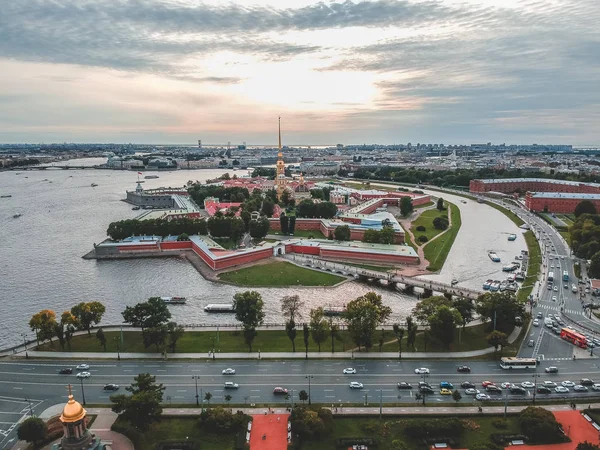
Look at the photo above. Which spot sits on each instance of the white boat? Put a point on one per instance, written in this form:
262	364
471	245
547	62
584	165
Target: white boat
174	300
494	257
150	177
219	308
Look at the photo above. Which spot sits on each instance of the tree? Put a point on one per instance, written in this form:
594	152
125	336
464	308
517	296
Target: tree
268	207
342	233
399	333
456	396
147	314
248	307
283	223
183	237
411	331
33	430
156	336
371	236
428	306
386	235
594	267
143	406
290	330
585	207
175	332
228	399
101	338
207	397
88	314
44	324
291	306
334	331
441	223
497	339
303	395
585	445
406	206
440	204
501	307
259	228
306	335
319	327
465	308
539	425
363	315
442	324
292	224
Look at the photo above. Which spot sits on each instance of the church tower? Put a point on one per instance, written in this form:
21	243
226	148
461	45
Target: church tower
280	182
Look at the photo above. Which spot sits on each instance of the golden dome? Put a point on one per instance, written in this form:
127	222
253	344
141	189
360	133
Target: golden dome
73	411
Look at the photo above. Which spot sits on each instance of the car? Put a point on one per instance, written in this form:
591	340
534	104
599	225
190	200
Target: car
561	390
424	383
555	289
567	383
446	385
465	369
550	286
536	323
543	390
493	388
84	375
111	387
444	391
596	387
421	370
566	286
531	343
506	385
540	315
467	384
486	383
472	391
65	371
586	382
231	385
551	369
554	298
355	385
560	322
482	397
228	371
83	367
404	385
549	384
280	391
349	371
518	390
527	384
580	388
426	390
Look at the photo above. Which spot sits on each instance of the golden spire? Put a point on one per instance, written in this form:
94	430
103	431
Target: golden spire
280	154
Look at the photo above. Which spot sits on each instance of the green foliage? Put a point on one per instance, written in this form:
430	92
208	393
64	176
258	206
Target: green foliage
290	330
456	396
487	446
585	207
363	315
156	335
539	425
440	204
422	238
292	224
497	339
183	237
421	228
501	424
259	228
175	332
32	429
428	306
283	223
44	324
406	206
308	208
149	314
585	445
505	306
594	268
143	406
249	311
226	226
427	428
305	337
441	223
465	307
199	192
319	326
222	420
87	314
342	233
443	322
585	235
101	338
310	422
303	396
156	227
383	236
265	172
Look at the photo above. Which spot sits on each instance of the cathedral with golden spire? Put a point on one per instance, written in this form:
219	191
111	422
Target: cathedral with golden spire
76	436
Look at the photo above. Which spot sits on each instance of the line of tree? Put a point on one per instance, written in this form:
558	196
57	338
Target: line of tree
383	236
82	316
287	224
248	308
342	233
199	192
585	236
321	193
122	229
310	208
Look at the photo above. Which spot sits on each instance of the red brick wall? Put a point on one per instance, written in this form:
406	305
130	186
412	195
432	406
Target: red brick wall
301	224
176	245
421	200
303	249
368	257
533	186
203	255
555	205
243	258
138	248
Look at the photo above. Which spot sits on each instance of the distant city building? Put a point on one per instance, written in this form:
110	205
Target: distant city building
510	185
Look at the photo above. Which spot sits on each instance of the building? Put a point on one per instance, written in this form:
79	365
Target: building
155	198
76	436
558	202
510	185
280	182
320	167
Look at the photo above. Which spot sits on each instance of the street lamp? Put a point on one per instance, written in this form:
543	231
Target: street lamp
309	377
25	344
118	341
82	391
380	403
195	378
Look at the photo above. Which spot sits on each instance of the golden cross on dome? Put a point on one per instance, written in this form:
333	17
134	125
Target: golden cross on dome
69	390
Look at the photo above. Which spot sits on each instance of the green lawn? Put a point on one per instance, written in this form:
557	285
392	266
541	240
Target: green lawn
280	274
424	205
314	234
391	428
225	242
426	220
408	241
533	268
437	251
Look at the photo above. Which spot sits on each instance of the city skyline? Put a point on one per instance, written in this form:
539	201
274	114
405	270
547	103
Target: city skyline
161	72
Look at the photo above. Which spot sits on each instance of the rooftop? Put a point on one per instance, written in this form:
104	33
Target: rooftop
357	246
565	195
537	180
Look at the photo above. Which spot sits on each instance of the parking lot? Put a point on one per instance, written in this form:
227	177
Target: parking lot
12	409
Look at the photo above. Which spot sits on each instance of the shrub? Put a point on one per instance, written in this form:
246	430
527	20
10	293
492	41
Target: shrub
222	420
371	427
539	425
441	223
501	424
422	238
417	429
421	228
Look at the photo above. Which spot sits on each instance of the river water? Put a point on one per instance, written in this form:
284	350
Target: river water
62	216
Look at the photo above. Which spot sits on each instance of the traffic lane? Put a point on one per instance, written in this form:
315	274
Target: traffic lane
553	346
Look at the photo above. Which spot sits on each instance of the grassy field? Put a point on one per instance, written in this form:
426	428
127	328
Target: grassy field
424	205
280	274
390	428
314	234
426	220
225	242
511	215
437	251
408	241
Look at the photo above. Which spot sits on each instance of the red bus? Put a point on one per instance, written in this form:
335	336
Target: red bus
573	337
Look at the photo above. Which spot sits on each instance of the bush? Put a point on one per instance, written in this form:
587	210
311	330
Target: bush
223	420
421	228
540	425
422	238
371	427
501	424
418	429
441	223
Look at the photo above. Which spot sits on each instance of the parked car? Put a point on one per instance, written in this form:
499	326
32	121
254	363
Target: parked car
404	385
465	369
536	323
349	370
280	391
540	315
111	387
66	371
531	343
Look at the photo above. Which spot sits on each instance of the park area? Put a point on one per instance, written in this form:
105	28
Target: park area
279	273
437	251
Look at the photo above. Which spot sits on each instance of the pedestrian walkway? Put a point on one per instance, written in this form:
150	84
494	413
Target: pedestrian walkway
269	432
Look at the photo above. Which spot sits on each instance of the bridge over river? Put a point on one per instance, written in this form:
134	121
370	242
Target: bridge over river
392	279
54	167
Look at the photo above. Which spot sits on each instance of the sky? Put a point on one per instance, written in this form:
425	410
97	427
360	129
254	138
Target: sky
350	72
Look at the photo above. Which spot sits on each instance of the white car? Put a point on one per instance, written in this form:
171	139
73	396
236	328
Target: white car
527	384
349	370
580	388
536	323
568	384
549	384
228	371
84	375
421	370
554	298
506	385
472	391
596	387
482	397
356	385
231	385
561	389
555	288
83	367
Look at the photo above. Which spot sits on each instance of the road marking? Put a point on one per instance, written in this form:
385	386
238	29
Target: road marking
18	388
161	370
182	390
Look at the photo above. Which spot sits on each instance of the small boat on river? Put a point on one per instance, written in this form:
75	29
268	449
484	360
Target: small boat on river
219	308
512	237
494	257
174	300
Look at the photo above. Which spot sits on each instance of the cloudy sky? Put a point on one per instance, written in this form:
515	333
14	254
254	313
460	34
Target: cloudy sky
386	71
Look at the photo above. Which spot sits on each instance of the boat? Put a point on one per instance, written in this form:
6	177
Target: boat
503	285
487	284
495	286
174	300
6	196
16	216
150	177
509	267
220	308
330	311
519	276
94	185
494	257
135	208
512	237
